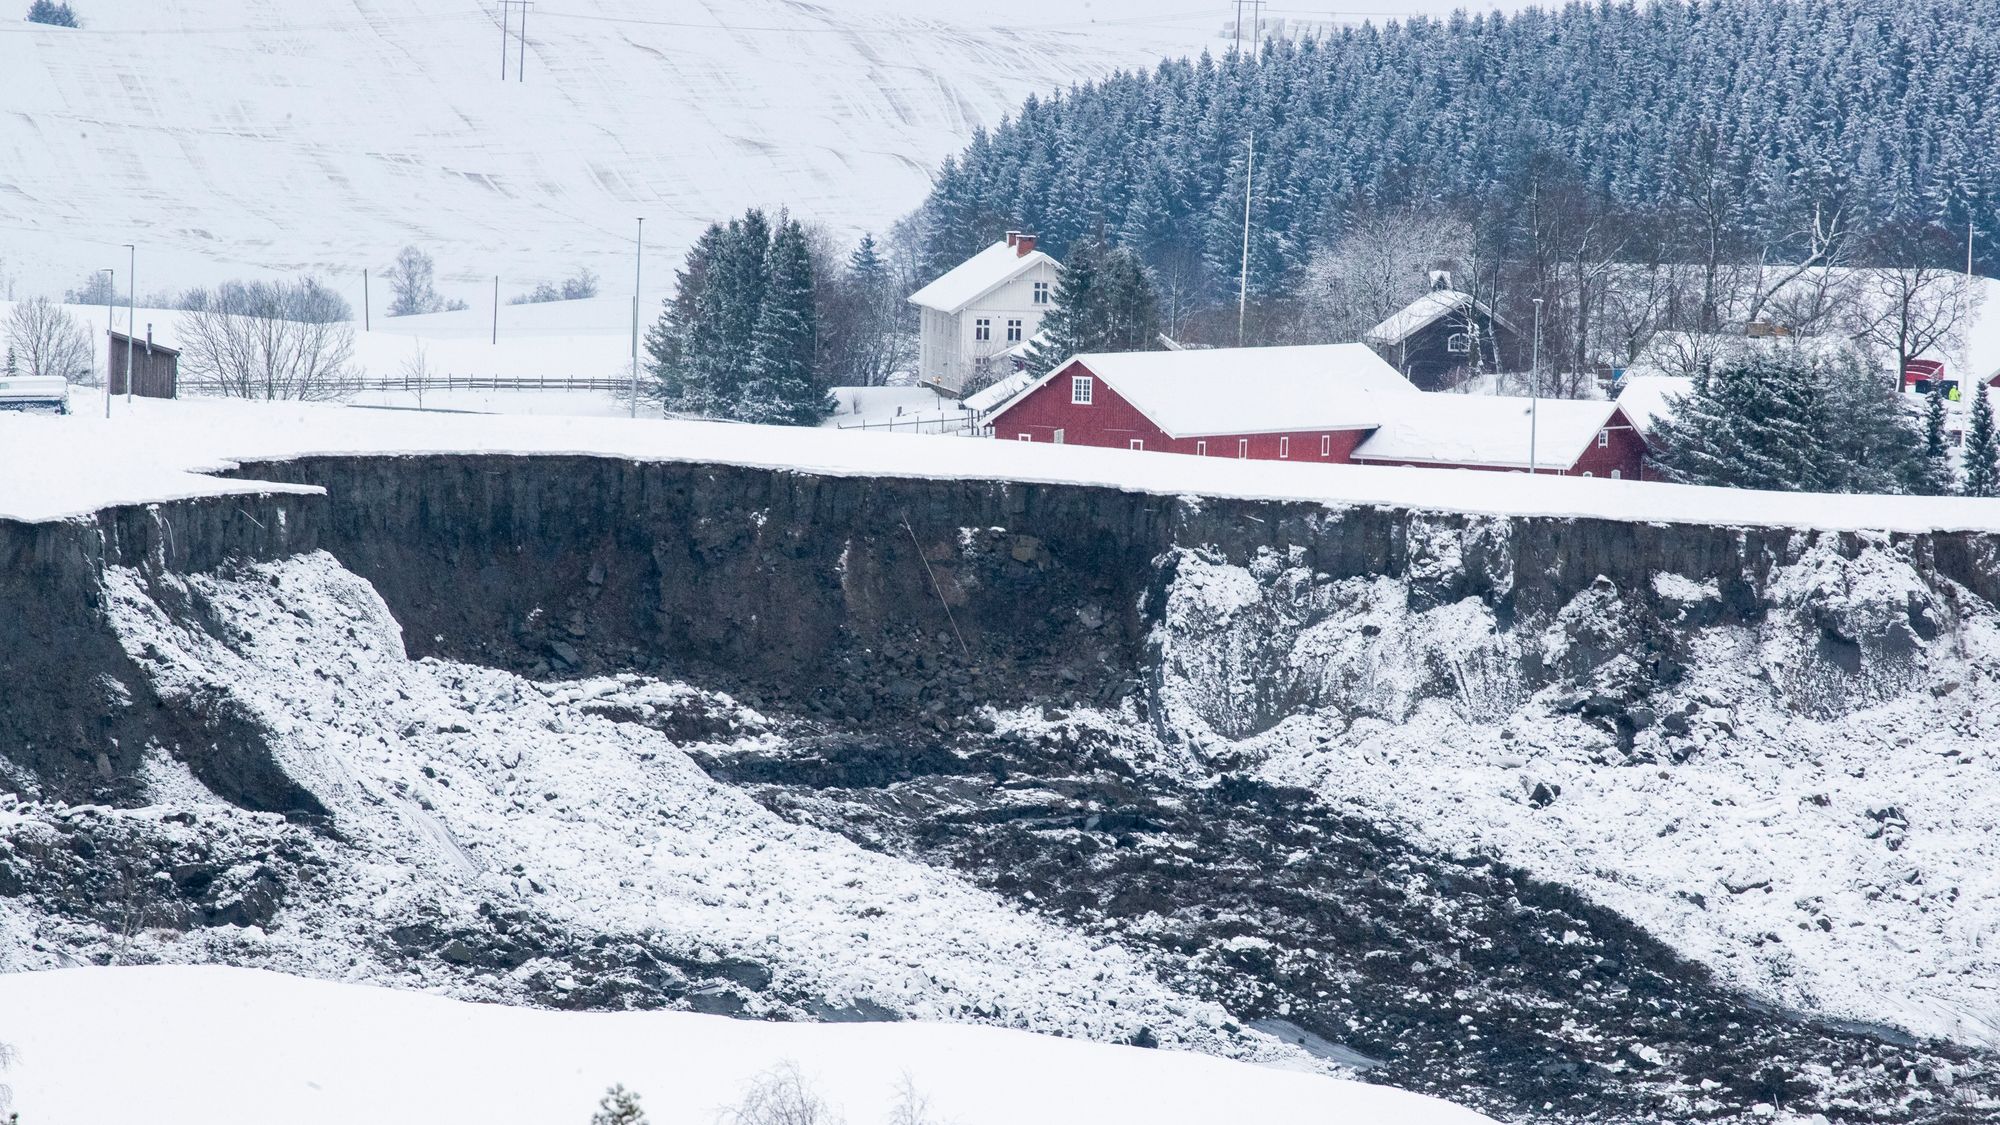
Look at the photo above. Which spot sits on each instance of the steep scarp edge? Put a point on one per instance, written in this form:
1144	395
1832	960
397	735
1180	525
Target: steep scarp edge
1191	732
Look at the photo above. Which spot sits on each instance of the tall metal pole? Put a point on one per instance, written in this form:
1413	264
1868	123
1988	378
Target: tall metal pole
1243	280
110	345
521	68
1535	390
364	302
496	310
505	7
638	281
131	314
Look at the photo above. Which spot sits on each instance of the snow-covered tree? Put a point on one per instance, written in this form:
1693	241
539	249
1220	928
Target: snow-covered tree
1937	453
1982	449
55	13
1104	302
1756	422
619	1106
781	1097
413	283
780	389
44	339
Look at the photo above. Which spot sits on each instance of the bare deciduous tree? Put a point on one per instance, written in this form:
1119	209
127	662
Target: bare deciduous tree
46	340
269	340
1905	311
1380	264
781	1096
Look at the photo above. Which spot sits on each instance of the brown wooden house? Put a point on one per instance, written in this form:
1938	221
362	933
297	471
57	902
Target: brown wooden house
1444	337
156	368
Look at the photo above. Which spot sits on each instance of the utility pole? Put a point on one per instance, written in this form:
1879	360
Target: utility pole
131	314
505	7
110	345
364	301
496	310
521	69
1243	279
1535	390
638	281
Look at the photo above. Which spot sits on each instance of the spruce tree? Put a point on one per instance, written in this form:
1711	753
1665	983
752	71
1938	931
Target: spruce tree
1982	449
1937	454
675	341
1104	302
53	13
619	1106
780	387
1756	422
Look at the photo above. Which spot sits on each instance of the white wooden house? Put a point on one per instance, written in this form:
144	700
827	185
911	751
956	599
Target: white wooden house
986	307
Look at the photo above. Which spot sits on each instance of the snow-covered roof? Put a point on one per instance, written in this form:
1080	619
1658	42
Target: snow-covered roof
1248	390
977	276
980	402
1648	398
1422	313
1453	429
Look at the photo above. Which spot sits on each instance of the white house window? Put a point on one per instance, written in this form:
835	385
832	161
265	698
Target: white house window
1013	331
1603	438
982	329
1284	447
1243	447
1459	344
1201	449
1138	444
1079	390
1041	292
1326	445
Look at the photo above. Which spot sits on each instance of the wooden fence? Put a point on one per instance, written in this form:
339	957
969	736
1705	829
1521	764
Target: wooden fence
613	383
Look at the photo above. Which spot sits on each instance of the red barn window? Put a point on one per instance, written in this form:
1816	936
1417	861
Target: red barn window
1326	445
1284	447
1138	443
1201	449
1243	447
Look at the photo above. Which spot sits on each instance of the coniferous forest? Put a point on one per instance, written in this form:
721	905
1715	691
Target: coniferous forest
1724	130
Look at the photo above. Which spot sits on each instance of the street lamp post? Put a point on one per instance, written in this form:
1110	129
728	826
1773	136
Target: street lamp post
638	282
110	307
1535	390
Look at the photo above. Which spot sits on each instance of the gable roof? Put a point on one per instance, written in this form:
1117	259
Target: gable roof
1452	429
1203	392
1426	311
977	276
1646	399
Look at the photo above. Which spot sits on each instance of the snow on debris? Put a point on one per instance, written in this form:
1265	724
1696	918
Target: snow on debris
311	1052
461	788
1838	861
55	468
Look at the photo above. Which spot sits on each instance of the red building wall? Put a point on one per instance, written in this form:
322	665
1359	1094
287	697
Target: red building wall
1109	421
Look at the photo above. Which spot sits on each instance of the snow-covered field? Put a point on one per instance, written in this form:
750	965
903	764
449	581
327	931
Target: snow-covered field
213	1046
282	135
53	468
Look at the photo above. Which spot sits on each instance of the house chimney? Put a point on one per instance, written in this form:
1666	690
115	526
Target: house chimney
1013	238
1024	244
1440	279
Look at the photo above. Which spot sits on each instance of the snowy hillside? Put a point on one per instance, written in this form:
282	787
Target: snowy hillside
229	137
316	1053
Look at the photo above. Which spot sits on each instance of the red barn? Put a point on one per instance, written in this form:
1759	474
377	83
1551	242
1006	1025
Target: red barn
1331	404
1564	437
1297	404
